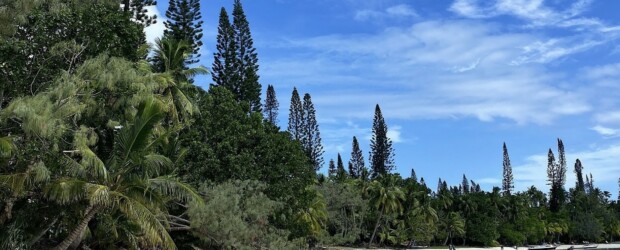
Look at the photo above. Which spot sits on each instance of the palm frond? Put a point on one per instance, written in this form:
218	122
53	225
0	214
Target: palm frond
39	173
200	70
151	224
19	182
98	195
135	137
155	164
176	189
65	191
6	146
15	182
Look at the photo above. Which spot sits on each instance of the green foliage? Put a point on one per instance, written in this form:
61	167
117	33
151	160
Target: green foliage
184	24
236	215
381	152
270	110
345	212
235	64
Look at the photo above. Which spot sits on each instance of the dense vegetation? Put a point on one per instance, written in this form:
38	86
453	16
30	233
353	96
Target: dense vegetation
105	147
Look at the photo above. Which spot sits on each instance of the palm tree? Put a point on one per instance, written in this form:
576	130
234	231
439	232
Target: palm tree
131	183
453	224
169	60
386	198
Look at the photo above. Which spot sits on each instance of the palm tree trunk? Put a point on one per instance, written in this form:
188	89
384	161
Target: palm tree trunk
37	237
78	230
374	232
7	213
446	241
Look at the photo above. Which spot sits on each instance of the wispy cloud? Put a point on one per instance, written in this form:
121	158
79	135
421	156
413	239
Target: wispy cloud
535	12
156	30
396	11
601	162
435	69
605	131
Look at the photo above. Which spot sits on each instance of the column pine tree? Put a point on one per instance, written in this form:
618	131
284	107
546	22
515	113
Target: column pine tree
270	111
381	152
507	181
185	24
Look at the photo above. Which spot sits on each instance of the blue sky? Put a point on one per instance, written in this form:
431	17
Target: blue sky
454	79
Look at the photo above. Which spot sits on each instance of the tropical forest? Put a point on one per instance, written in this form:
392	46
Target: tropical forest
110	142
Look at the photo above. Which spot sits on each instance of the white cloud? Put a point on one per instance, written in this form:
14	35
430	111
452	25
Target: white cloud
552	49
533	11
605	131
396	11
601	162
610	117
401	10
156	30
435	69
491	181
604	71
394	133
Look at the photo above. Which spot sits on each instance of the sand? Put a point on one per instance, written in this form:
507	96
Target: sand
600	246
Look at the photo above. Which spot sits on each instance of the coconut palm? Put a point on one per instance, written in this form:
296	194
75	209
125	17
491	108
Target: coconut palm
169	59
386	199
453	224
132	182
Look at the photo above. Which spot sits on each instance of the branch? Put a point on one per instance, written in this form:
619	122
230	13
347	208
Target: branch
178	219
172	229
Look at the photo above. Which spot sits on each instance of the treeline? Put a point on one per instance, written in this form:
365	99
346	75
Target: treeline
107	143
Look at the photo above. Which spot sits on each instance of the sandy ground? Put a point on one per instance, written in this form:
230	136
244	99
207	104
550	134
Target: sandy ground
600	246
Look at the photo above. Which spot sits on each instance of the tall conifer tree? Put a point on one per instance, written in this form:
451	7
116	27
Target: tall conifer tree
357	160
332	168
184	24
249	86
139	12
556	174
270	111
507	182
224	70
381	152
311	137
414	177
579	186
465	185
341	173
295	116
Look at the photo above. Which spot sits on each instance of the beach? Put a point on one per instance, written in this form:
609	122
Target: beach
600	246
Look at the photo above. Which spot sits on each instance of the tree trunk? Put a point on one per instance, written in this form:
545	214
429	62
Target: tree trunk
78	230
37	237
374	232
7	213
447	237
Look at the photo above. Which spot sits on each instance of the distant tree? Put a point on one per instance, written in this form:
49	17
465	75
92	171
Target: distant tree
138	11
247	58
332	168
357	160
381	152
295	117
507	182
465	185
311	137
579	186
439	185
556	173
414	177
341	173
184	24
225	63
270	112
561	164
